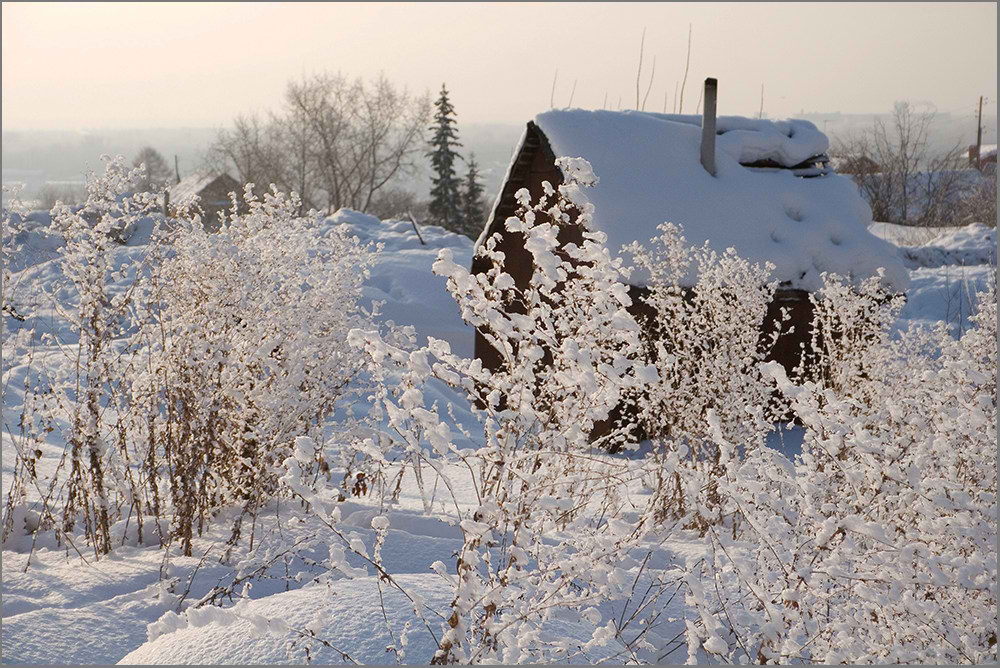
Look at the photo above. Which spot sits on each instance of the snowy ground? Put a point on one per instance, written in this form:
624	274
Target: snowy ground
64	608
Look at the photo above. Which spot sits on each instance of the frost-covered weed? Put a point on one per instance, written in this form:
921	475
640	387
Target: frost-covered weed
557	532
12	342
878	544
705	342
88	390
246	350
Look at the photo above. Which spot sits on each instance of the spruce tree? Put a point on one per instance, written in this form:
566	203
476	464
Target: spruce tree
445	197
472	201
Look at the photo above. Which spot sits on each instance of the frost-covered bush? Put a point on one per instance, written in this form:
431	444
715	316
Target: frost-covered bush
93	297
851	323
247	350
878	544
11	340
11	219
554	532
705	340
200	360
980	204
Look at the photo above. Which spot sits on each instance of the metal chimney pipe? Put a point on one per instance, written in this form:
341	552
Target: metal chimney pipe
708	126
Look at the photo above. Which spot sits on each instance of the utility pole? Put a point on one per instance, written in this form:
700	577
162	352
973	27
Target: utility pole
979	134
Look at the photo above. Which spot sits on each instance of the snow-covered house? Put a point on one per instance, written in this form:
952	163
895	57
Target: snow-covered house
987	157
212	190
855	164
773	197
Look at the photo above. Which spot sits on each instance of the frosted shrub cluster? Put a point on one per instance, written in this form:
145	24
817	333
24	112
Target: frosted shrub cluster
706	344
851	324
878	544
245	351
89	394
200	362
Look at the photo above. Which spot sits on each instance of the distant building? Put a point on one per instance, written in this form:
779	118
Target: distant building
855	164
211	191
987	156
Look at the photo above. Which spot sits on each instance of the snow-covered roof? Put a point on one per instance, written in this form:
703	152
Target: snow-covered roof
649	172
192	185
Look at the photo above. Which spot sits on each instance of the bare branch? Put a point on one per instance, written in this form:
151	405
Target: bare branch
687	65
638	72
650	86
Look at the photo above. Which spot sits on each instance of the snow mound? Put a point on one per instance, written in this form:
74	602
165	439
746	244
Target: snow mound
650	172
402	279
946	294
34	242
398	235
973	244
346	614
949	266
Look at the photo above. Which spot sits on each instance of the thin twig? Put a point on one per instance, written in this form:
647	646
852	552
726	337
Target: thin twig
650	86
638	71
687	64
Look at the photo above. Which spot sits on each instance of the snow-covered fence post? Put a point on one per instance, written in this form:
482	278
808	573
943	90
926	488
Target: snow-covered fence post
708	126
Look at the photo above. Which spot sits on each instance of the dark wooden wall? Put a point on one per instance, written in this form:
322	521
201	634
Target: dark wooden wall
215	200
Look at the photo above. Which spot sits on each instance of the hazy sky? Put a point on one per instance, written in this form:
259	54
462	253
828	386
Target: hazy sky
122	65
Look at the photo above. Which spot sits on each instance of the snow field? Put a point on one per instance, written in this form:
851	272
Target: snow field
63	610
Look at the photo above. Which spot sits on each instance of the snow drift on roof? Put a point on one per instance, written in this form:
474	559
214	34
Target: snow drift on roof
650	172
788	143
191	185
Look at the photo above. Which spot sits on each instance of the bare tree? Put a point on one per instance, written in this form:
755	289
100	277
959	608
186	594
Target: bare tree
901	179
336	142
158	172
392	125
294	147
252	148
980	205
69	194
324	105
396	202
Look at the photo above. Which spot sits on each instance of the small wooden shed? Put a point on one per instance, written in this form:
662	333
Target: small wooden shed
212	192
772	196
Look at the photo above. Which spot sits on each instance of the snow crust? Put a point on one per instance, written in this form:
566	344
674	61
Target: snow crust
649	172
